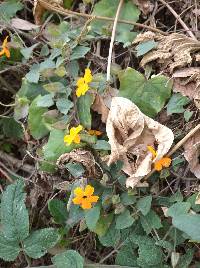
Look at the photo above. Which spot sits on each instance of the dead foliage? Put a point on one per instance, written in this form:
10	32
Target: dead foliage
130	132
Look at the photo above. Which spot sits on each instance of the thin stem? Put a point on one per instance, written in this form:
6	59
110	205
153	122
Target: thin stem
113	39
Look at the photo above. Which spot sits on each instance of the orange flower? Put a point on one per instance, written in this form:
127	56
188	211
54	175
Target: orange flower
5	49
85	197
159	164
95	132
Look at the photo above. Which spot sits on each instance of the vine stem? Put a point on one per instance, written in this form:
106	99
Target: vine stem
177	146
113	39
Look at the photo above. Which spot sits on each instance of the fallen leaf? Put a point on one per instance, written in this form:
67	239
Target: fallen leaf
23	24
144	5
100	107
173	51
83	157
192	153
130	132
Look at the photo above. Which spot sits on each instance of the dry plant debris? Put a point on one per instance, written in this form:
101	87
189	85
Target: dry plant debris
130	132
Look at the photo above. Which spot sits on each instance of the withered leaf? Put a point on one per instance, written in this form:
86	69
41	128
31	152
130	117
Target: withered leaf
192	153
130	132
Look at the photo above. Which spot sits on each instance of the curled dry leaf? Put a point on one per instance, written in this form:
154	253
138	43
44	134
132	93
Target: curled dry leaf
23	24
144	5
172	51
100	107
130	132
83	157
192	153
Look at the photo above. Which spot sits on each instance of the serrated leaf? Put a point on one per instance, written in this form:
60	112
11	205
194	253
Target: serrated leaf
45	101
35	119
108	9
12	128
124	220
58	210
111	238
83	106
176	104
79	52
126	257
145	47
189	224
9	250
64	105
28	51
144	204
150	221
91	217
30	90
69	258
36	245
9	8
149	95
14	215
127	199
33	75
54	87
103	224
178	208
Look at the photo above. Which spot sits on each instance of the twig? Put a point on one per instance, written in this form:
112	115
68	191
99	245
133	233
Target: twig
179	19
66	12
5	175
177	146
113	39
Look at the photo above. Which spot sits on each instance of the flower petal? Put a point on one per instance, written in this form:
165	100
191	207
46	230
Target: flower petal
5	41
7	52
77	200
86	204
78	191
68	139
166	161
88	76
89	190
93	198
2	52
77	139
158	165
80	82
151	150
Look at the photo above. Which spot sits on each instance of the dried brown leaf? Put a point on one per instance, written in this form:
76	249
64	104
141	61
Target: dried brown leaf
23	24
192	153
100	107
144	5
130	132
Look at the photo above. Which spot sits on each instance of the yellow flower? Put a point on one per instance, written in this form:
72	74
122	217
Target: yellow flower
5	49
95	132
88	76
82	83
159	164
73	135
85	197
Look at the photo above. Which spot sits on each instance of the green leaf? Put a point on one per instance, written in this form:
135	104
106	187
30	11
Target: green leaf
79	52
64	105
36	245
54	87
191	200
149	95
127	199
111	238
12	128
83	106
103	224
76	169
126	256
92	217
186	259
35	119
69	258
189	224
14	215
58	210
8	9
176	103
33	75
45	101
30	90
124	220
108	9
102	145
9	250
178	208
28	51
150	221
177	197
144	204
145	47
